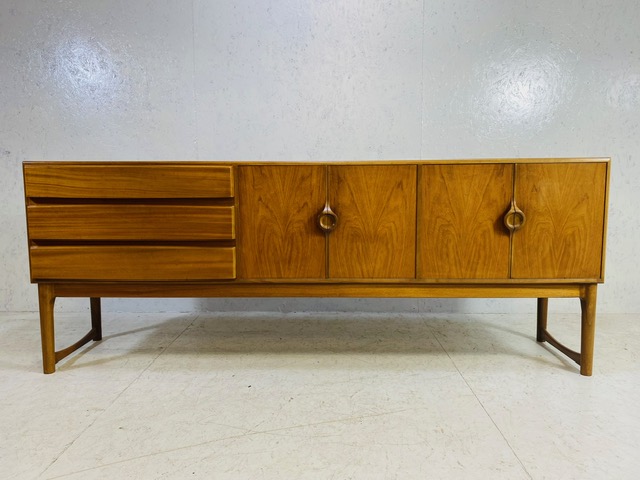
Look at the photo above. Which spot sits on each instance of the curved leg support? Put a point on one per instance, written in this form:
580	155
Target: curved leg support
46	299
584	358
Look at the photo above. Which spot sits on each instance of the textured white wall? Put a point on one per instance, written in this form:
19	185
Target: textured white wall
321	80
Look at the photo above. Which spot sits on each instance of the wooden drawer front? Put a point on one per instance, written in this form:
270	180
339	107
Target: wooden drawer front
127	180
132	263
130	222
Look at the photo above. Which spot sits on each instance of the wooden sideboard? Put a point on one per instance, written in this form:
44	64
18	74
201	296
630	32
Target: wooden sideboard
524	228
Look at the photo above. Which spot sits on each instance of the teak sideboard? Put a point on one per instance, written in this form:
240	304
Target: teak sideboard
524	228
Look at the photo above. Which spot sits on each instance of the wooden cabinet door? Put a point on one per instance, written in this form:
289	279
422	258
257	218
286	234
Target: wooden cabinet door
460	229
563	234
376	229
278	237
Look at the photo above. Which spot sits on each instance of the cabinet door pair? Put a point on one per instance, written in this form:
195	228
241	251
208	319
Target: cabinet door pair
431	222
279	235
465	231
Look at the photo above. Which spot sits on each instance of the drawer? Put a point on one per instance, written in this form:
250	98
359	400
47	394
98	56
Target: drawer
130	222
127	180
132	263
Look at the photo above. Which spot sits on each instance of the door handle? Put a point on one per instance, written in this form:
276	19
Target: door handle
327	219
514	218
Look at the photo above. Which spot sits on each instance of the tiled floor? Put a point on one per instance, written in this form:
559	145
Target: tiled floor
339	396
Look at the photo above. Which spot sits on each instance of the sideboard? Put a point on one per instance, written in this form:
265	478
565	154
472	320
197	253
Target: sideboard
523	228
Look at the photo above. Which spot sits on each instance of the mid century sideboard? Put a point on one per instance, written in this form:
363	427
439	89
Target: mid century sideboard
531	228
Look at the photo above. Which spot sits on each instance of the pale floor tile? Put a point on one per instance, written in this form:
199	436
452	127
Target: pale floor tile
318	396
42	415
405	444
559	424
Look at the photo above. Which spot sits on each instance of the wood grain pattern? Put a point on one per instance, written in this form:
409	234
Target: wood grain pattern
127	180
130	222
278	236
565	209
132	263
376	231
460	230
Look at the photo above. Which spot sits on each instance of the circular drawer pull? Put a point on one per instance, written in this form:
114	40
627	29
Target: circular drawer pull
514	218
327	219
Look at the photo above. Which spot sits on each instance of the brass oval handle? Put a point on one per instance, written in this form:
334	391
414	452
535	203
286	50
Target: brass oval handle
327	219
514	218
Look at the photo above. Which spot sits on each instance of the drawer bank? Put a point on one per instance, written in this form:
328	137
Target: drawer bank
524	228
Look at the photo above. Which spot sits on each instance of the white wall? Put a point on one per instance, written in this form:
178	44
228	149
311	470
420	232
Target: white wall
321	80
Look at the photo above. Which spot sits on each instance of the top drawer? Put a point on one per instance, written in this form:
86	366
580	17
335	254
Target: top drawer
127	180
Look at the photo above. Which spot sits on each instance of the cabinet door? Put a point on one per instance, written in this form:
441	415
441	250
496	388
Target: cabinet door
461	234
376	230
278	237
563	234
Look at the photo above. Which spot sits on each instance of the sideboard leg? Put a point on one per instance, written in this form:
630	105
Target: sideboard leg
46	300
96	318
587	337
543	309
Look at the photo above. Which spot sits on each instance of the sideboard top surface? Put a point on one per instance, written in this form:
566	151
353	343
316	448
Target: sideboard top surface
327	162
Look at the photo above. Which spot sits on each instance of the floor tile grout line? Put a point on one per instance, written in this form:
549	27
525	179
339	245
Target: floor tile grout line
483	407
135	379
247	433
153	360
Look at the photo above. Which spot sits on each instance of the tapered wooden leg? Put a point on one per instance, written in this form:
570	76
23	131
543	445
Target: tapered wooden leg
543	308
96	318
587	336
46	300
